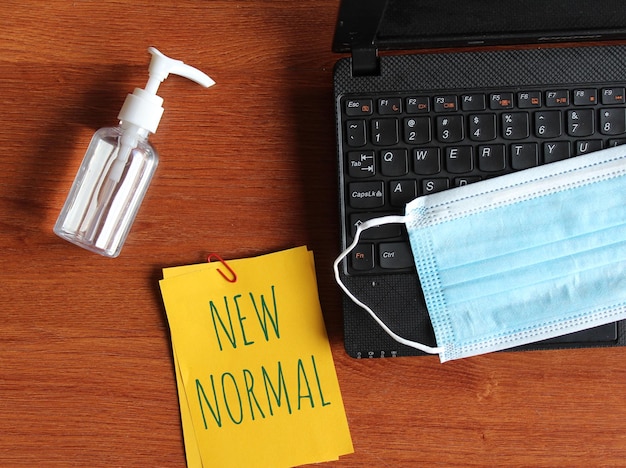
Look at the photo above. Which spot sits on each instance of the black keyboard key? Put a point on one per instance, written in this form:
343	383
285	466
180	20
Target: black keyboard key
459	159
447	103
613	142
529	99
500	101
450	128
482	127
588	146
385	231
585	97
366	195
580	122
355	133
461	181
611	96
402	192
385	132
473	102
389	106
361	164
612	121
524	155
417	105
358	107
556	151
395	255
362	257
491	158
548	124
417	130
434	185
558	98
427	161
394	162
515	125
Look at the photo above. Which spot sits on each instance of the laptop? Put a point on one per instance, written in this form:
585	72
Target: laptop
527	83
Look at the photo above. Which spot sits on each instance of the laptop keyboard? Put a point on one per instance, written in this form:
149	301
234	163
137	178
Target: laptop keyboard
398	147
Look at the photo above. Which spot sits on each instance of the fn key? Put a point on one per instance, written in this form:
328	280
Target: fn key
395	255
362	257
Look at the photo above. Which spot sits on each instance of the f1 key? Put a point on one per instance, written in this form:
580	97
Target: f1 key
389	106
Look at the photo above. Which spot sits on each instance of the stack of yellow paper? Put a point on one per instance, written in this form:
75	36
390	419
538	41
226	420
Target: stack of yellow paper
256	381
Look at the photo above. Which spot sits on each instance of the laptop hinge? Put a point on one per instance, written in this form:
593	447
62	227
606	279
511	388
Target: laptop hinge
365	61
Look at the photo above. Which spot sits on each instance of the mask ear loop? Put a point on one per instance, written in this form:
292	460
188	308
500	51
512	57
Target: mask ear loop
362	227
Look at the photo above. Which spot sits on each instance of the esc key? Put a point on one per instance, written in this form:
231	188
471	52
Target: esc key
356	107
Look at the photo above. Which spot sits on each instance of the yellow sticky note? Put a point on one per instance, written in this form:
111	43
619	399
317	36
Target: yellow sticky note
256	379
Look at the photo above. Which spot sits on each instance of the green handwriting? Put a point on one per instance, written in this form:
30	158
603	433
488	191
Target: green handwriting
244	397
232	327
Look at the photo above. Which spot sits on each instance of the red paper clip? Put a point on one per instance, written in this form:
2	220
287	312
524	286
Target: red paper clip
223	262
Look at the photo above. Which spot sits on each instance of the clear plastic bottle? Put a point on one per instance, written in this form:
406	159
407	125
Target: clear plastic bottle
118	167
107	193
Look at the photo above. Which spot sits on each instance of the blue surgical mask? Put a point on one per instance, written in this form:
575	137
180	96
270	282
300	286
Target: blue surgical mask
519	258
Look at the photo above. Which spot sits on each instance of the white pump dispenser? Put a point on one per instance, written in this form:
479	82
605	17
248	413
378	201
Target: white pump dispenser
119	165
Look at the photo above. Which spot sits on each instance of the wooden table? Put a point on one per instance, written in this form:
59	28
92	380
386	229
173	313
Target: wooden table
247	167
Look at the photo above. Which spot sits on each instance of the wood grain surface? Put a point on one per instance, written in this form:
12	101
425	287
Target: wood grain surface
247	167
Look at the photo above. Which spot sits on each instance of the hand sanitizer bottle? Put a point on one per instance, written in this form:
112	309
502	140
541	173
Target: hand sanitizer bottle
118	166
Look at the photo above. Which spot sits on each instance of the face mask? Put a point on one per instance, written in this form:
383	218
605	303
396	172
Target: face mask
519	258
